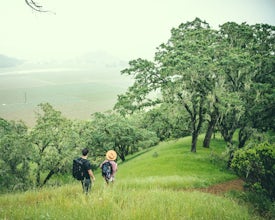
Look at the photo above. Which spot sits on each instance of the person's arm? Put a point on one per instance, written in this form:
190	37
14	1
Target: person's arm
91	174
114	167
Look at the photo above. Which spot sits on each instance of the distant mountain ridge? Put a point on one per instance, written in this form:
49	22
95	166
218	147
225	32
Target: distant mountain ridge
6	61
96	59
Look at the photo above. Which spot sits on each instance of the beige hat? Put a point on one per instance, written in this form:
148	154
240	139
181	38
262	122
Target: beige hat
111	155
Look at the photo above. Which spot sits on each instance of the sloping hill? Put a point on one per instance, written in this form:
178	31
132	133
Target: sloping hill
153	184
172	165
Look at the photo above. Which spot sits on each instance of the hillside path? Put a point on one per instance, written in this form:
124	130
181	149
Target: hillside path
221	188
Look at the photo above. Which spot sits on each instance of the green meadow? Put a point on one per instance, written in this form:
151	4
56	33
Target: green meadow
159	183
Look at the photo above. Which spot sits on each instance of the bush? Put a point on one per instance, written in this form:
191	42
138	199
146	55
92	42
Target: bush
259	203
256	165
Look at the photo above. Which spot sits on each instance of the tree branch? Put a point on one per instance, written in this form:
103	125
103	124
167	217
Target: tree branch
33	5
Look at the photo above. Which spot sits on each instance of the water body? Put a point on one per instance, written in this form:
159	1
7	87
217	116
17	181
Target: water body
77	93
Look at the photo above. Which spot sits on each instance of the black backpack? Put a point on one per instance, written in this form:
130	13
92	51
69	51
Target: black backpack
78	171
107	170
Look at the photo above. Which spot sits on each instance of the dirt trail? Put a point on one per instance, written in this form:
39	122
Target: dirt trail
223	187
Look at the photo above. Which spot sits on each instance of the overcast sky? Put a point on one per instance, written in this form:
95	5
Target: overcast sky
127	29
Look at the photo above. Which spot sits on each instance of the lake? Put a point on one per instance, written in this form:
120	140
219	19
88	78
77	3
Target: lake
77	93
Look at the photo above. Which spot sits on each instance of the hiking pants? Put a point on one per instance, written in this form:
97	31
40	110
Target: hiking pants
86	185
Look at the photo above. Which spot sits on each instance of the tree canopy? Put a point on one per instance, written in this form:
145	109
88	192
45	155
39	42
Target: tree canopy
201	80
219	77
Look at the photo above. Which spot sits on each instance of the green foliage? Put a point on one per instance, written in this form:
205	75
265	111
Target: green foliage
113	131
168	193
201	76
33	156
249	70
15	155
256	165
192	44
52	141
223	77
167	121
260	203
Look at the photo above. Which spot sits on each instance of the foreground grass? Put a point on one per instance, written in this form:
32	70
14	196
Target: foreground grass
117	203
150	185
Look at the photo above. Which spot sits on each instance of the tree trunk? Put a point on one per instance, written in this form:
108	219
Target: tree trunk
242	139
120	151
227	134
38	175
122	157
244	135
231	154
208	135
48	177
196	122
210	128
194	142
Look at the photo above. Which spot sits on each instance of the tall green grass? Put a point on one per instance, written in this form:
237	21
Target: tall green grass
149	185
172	165
116	202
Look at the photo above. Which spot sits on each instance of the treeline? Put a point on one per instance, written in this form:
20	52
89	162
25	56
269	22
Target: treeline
220	80
31	156
201	81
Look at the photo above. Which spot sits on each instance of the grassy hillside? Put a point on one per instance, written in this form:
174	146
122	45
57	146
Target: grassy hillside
150	185
172	165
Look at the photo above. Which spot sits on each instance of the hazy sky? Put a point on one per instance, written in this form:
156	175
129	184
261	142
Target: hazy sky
127	29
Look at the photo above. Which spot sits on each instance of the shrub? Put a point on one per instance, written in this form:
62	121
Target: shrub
256	165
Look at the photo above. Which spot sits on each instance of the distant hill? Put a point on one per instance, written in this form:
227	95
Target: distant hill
96	60
6	61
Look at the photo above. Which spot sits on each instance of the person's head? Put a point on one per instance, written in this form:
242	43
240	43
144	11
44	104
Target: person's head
85	151
111	155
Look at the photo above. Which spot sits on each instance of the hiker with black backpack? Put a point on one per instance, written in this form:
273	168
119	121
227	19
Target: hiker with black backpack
82	171
109	166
